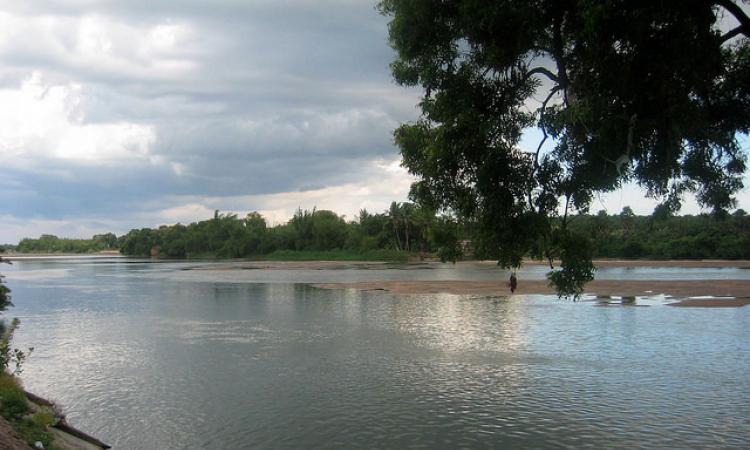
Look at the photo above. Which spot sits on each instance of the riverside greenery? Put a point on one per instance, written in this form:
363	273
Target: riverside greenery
48	243
318	234
14	405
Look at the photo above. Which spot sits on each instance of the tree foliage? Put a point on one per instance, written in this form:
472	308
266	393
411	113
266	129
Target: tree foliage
8	354
404	228
48	243
619	90
4	292
661	236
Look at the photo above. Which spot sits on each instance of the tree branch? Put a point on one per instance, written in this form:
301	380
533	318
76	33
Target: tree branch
541	123
558	53
738	14
542	71
544	139
730	34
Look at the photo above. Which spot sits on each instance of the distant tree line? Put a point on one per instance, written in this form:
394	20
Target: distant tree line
406	228
664	236
48	243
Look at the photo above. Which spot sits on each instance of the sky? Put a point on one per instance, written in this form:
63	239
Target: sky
130	114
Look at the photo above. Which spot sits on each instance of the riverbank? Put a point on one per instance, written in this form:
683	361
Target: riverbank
10	439
29	420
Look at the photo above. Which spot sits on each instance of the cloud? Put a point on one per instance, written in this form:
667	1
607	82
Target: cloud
117	111
41	121
382	181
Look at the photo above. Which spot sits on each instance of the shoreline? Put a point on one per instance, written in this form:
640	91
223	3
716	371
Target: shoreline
713	293
10	256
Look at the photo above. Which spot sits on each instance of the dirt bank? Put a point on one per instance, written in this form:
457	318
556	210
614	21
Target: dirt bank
9	438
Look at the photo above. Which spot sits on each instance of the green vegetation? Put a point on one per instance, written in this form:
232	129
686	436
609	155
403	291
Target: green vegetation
661	236
4	293
648	92
8	354
48	243
407	231
403	230
14	403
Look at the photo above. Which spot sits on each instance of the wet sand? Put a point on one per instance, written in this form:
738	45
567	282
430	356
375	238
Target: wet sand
740	289
712	302
332	265
692	263
714	291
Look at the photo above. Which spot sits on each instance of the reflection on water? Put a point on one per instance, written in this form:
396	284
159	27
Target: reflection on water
146	356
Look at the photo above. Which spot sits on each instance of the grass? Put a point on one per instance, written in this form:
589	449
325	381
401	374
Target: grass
13	402
15	407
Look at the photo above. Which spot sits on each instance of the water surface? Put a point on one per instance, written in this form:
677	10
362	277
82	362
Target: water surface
147	355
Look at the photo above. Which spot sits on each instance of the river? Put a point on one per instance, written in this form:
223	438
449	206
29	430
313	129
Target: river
148	355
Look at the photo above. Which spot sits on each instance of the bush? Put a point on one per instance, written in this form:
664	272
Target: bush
33	432
13	402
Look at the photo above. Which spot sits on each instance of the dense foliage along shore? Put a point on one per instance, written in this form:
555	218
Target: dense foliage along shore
48	243
405	229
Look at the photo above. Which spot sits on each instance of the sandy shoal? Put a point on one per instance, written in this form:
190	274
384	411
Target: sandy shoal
691	263
332	265
740	289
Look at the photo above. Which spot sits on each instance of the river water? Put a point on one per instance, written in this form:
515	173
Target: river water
148	355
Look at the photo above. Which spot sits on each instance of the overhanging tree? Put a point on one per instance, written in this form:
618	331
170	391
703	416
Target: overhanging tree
649	91
8	354
4	291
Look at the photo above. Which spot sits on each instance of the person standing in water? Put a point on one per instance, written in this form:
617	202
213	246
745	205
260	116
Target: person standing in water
513	282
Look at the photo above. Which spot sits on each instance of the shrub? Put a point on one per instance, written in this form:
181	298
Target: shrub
13	402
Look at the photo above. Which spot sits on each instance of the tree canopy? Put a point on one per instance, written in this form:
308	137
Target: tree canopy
654	92
396	233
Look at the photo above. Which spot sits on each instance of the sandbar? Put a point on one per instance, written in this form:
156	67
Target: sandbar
713	290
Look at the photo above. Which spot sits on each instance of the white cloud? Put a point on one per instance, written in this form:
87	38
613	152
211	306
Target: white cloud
40	120
187	213
101	45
